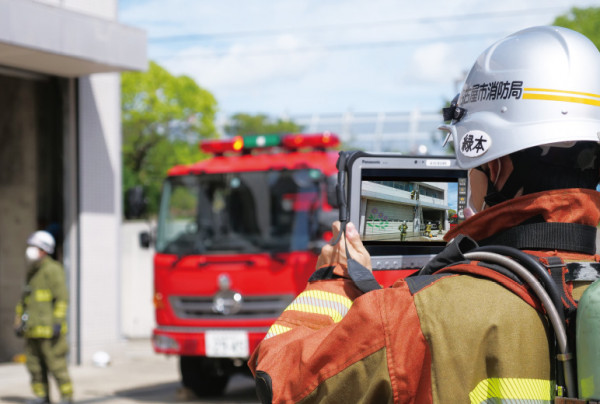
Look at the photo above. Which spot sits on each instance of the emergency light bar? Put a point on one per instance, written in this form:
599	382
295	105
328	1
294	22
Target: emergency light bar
289	141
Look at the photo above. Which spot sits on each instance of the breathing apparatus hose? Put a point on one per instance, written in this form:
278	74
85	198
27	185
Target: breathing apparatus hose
497	255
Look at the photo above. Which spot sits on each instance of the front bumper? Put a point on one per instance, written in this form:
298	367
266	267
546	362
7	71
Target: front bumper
192	341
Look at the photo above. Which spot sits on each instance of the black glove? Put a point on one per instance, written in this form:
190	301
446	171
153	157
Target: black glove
56	330
20	330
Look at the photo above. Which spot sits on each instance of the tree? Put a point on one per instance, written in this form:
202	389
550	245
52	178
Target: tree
245	124
583	20
164	117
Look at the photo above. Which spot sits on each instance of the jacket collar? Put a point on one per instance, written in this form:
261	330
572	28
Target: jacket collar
574	205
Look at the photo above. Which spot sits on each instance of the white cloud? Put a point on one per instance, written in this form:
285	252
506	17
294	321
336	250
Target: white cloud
271	70
435	63
244	65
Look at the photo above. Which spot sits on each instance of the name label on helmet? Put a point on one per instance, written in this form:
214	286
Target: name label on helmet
475	143
496	90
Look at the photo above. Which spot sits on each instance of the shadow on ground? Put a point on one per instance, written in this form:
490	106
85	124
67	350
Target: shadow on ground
13	399
239	390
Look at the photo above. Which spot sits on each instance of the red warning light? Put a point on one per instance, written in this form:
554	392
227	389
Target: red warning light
319	140
222	146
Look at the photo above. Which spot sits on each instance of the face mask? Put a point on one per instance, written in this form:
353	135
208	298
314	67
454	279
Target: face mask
471	209
32	254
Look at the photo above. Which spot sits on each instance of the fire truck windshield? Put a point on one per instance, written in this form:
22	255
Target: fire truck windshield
245	212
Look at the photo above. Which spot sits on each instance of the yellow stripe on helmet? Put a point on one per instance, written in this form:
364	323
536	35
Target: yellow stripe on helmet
547	94
548	90
549	97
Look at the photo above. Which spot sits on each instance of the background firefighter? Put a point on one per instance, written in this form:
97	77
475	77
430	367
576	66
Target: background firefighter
41	319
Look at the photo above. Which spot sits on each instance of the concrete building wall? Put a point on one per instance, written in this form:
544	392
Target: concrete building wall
18	178
100	212
74	182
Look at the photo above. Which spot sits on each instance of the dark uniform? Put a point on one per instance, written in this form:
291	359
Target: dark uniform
42	313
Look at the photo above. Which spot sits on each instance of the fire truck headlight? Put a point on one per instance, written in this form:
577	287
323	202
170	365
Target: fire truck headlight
164	343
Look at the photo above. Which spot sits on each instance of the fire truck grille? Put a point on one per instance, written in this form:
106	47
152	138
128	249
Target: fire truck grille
251	307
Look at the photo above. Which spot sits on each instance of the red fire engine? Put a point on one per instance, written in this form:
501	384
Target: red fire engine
238	236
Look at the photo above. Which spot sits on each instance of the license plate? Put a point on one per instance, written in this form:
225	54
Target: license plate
226	344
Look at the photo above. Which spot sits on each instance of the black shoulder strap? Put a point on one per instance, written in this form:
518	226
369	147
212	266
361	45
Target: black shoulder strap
417	283
362	277
547	236
323	273
451	254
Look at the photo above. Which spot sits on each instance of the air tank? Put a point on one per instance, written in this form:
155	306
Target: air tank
588	343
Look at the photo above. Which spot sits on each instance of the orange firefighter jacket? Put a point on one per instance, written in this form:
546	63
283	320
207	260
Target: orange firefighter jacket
465	334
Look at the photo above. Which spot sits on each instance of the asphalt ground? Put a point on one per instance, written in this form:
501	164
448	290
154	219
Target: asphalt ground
135	375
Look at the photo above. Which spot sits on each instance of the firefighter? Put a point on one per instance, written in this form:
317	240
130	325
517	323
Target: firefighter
526	126
41	319
428	230
403	229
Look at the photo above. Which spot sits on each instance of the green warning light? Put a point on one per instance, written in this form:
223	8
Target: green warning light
257	141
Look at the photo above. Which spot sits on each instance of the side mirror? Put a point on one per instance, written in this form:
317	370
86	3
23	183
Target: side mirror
145	239
135	202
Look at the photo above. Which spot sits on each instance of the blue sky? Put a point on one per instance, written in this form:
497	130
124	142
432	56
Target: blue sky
329	56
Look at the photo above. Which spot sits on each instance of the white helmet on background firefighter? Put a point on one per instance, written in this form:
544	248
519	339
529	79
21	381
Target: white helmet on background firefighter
43	240
537	87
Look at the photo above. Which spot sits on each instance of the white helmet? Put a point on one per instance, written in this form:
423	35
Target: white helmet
43	240
539	86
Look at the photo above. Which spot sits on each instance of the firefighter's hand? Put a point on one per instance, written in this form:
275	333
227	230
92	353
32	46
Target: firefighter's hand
332	254
56	330
19	326
20	330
